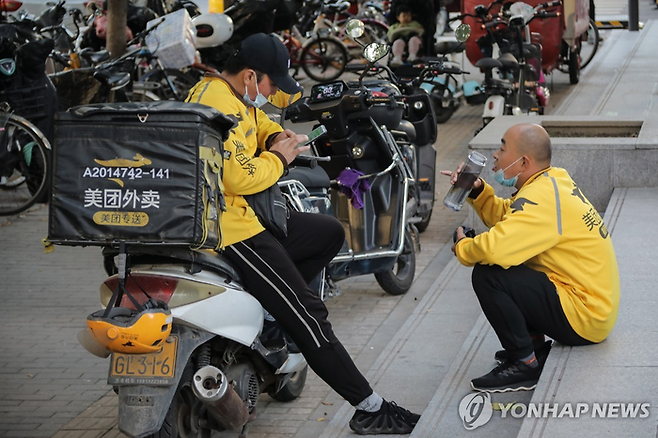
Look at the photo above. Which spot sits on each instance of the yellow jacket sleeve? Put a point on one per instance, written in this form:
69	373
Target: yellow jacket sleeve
521	227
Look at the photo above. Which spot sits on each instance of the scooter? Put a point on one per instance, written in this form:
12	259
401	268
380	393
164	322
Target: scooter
191	349
206	373
381	141
520	88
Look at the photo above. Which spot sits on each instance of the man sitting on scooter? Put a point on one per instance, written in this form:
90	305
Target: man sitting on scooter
277	271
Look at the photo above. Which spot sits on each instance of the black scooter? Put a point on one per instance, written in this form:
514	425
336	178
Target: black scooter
372	135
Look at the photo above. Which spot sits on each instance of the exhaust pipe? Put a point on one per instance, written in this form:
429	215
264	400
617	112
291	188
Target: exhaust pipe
211	386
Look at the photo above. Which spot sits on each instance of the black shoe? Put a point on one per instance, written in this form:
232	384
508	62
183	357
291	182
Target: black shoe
389	419
542	353
508	376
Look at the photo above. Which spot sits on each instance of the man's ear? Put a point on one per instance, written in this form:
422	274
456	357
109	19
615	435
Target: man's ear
248	76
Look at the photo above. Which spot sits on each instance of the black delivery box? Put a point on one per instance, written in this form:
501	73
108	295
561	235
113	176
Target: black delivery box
138	172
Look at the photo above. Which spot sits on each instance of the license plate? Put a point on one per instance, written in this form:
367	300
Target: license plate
145	369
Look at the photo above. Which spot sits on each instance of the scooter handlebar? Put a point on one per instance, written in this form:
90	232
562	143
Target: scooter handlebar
305	161
549	4
453	71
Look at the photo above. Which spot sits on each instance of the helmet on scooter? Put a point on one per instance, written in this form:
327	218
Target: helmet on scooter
212	30
125	330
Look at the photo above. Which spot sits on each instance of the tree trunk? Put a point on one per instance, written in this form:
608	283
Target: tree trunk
117	13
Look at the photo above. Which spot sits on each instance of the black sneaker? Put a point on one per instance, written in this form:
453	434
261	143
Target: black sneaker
389	419
542	353
508	376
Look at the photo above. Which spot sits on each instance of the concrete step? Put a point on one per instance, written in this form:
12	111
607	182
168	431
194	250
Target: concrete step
447	341
420	356
619	374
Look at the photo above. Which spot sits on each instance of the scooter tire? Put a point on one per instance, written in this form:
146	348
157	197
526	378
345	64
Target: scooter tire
424	223
574	67
398	280
178	421
445	113
293	388
443	104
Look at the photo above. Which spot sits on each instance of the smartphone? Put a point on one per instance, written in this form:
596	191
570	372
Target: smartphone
314	134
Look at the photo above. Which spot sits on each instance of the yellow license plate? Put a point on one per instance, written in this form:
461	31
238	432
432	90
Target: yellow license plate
145	369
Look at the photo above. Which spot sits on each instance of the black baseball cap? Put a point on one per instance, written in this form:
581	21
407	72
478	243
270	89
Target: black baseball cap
267	54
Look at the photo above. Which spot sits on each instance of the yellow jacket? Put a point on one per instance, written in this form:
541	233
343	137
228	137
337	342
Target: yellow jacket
551	227
245	173
281	99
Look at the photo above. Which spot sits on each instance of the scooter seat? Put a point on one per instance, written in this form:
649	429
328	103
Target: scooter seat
508	61
446	47
311	178
170	255
488	63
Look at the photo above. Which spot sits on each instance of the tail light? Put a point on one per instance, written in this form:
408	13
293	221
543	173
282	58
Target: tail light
175	291
10	5
157	287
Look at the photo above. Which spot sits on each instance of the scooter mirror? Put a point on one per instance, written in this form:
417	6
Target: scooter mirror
373	51
355	28
463	32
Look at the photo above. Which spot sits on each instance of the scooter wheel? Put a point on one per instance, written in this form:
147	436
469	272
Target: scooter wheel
398	280
293	389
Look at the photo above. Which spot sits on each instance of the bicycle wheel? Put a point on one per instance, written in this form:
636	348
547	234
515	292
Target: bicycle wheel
180	81
323	59
24	164
589	44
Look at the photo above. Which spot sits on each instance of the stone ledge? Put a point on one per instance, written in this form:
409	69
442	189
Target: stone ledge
596	159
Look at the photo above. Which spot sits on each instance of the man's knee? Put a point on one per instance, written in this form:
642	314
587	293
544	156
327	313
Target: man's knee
481	276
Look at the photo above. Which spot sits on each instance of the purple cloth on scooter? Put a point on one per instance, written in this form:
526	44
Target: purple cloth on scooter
352	186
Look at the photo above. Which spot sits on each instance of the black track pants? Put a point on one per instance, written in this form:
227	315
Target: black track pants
520	302
277	272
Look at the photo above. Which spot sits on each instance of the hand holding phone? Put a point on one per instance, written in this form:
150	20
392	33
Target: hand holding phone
313	135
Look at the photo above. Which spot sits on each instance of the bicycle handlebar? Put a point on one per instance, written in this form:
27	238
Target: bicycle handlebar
141	35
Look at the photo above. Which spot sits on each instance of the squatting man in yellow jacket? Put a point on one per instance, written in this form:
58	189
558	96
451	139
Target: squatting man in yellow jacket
257	153
546	266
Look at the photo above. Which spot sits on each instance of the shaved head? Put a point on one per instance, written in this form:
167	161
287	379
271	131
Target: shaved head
532	140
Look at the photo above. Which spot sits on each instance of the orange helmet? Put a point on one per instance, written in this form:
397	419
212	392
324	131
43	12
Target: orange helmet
125	330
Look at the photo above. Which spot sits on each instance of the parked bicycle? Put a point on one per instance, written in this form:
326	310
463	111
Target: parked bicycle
24	162
323	59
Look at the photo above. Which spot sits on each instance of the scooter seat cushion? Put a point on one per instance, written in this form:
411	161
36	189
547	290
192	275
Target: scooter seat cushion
486	63
197	260
508	61
445	47
311	178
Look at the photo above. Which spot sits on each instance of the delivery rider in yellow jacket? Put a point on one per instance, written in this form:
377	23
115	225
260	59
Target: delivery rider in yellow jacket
277	271
545	267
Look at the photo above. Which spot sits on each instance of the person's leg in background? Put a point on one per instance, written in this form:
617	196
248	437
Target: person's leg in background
414	46
398	48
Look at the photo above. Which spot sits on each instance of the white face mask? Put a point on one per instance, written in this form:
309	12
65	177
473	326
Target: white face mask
260	99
